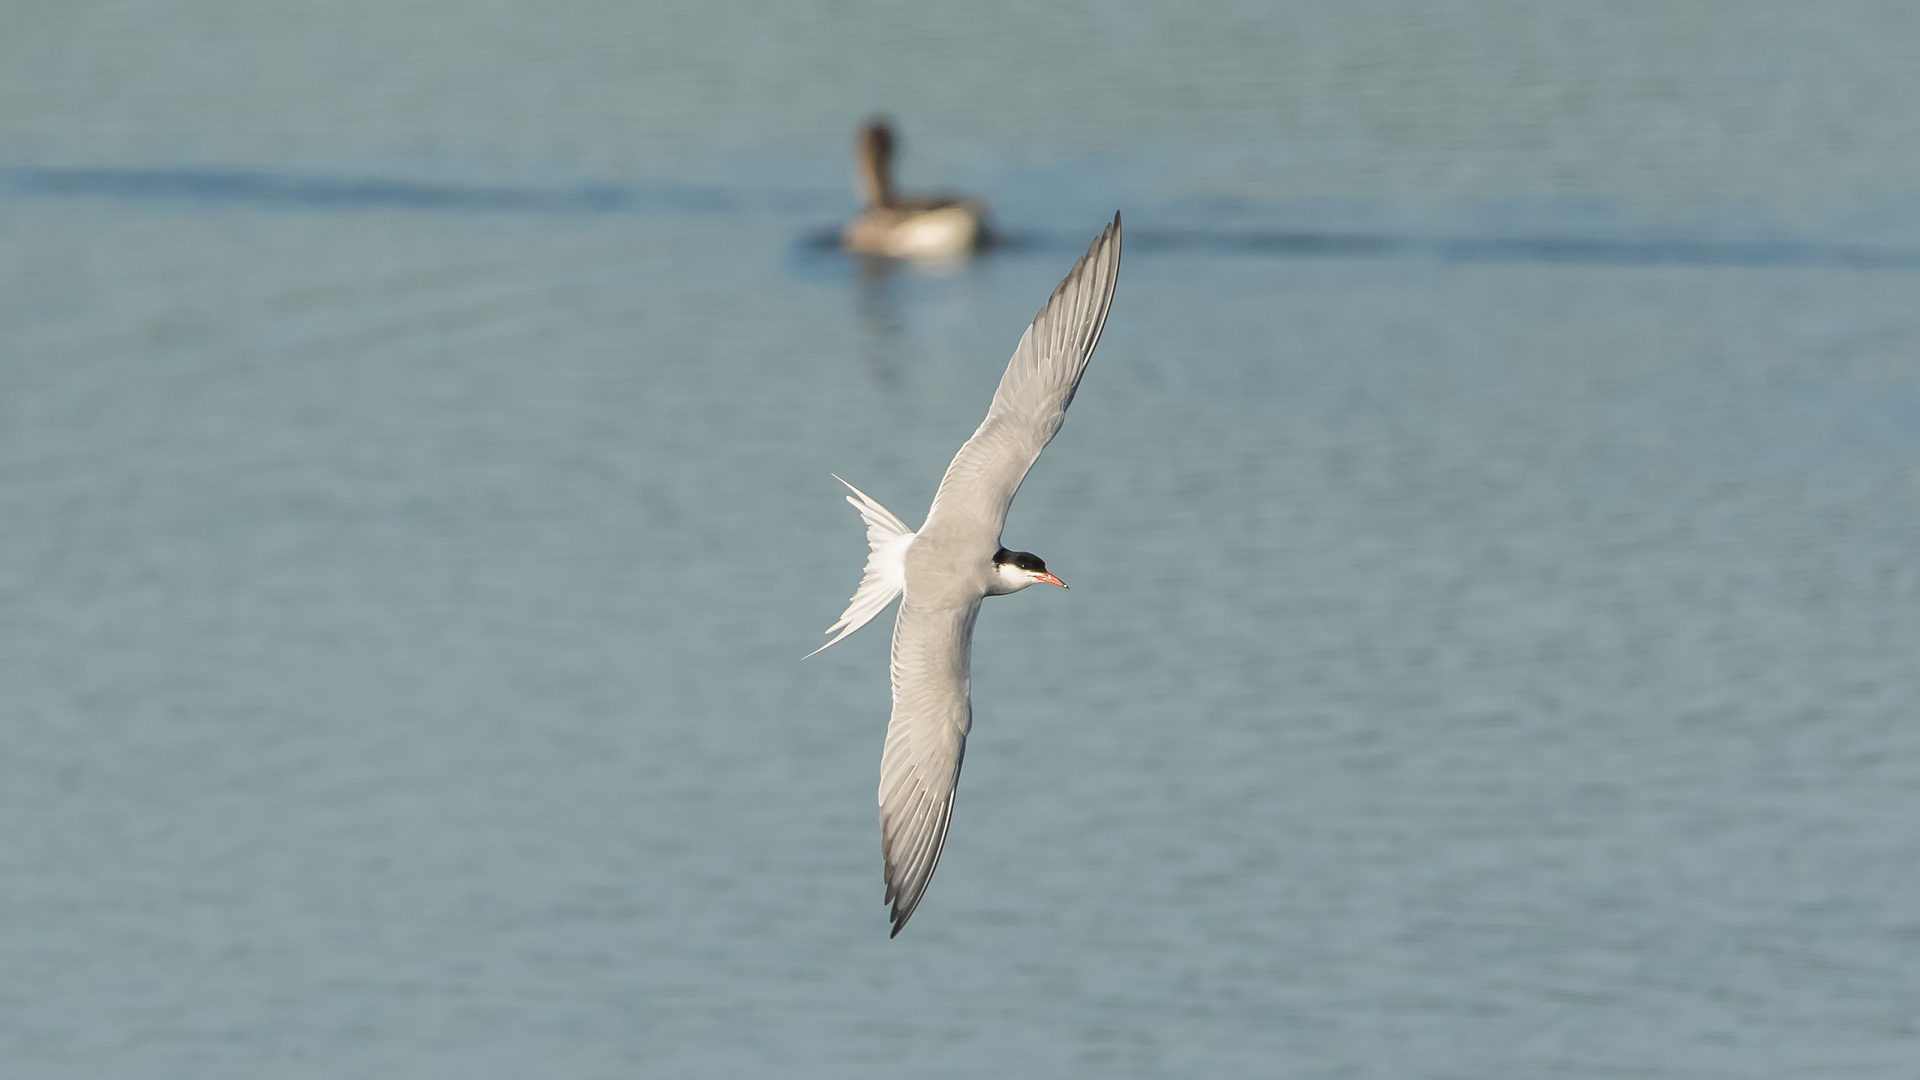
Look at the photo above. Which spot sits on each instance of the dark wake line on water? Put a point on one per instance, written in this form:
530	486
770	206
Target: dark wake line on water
259	187
1278	244
1546	249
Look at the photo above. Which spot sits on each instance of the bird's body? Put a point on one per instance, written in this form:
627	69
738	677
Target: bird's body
901	226
943	571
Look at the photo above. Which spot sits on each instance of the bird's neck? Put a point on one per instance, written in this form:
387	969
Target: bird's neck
876	180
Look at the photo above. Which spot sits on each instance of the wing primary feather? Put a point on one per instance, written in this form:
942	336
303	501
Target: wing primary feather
907	897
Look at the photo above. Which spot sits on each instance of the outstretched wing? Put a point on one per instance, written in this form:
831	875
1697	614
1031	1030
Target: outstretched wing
1032	400
926	739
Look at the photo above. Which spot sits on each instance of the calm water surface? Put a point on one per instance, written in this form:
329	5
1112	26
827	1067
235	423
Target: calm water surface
1493	518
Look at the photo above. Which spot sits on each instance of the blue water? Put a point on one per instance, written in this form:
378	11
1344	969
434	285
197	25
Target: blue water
1493	518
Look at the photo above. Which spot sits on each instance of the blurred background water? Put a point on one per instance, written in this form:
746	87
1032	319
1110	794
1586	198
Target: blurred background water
1493	517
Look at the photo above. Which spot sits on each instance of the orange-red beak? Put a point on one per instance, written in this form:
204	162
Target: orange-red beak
1050	579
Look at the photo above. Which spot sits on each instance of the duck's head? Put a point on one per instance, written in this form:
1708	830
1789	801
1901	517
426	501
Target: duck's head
1015	570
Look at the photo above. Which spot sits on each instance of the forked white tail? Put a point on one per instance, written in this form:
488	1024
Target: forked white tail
886	575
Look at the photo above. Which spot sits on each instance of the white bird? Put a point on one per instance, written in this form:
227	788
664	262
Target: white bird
954	561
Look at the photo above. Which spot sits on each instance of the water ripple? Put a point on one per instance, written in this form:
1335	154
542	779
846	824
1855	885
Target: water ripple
268	188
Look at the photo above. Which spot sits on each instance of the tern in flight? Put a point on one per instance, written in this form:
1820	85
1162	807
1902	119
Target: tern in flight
954	561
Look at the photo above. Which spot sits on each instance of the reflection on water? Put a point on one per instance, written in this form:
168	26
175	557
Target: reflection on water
1491	644
880	320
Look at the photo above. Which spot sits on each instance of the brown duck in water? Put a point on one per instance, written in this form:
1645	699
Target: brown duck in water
923	227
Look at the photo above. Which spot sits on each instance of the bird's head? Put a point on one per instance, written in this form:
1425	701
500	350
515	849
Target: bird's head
1015	570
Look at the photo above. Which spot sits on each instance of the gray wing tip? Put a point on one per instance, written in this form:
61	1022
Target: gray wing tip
907	879
1105	246
905	890
1109	237
1092	279
904	902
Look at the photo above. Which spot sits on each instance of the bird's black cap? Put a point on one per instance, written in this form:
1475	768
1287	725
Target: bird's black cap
1020	560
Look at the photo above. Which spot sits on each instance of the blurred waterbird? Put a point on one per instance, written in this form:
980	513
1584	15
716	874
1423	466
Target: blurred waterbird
943	571
922	227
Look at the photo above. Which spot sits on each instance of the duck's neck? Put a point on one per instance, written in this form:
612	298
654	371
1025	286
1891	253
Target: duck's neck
875	161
